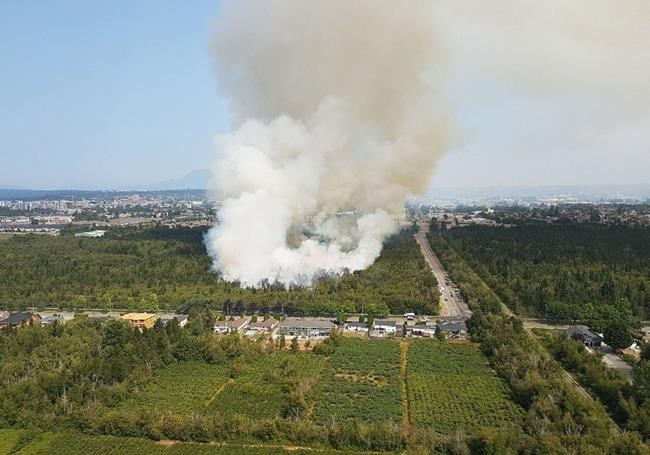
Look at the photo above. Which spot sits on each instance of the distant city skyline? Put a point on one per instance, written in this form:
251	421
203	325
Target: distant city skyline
122	95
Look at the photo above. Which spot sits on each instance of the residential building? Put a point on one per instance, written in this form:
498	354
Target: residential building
140	320
230	326
424	330
180	318
19	319
383	328
582	333
454	330
306	328
353	326
266	326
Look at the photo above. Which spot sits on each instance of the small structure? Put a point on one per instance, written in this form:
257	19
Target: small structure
354	326
582	333
180	318
140	320
231	326
454	330
266	326
19	319
306	328
4	315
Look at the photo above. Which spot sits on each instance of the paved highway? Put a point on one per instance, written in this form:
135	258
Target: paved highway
452	305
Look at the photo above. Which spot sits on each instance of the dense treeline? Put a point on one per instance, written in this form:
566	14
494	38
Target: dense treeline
558	419
168	269
628	402
588	272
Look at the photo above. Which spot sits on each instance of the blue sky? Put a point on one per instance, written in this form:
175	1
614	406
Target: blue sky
105	94
119	94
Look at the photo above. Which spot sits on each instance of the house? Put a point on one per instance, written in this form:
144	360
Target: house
180	318
582	333
19	319
383	327
140	320
266	326
306	328
353	326
454	330
231	326
424	330
4	315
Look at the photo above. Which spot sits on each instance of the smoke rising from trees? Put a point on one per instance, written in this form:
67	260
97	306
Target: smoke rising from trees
337	123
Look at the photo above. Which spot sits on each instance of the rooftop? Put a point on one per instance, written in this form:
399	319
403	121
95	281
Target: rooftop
138	316
386	322
307	323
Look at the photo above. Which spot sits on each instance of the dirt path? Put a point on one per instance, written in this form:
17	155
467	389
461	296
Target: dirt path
403	369
218	392
284	447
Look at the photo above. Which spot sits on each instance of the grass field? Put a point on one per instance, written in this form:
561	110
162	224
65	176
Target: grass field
361	381
451	388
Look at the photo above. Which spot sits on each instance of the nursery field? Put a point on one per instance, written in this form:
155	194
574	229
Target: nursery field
361	381
451	387
71	443
259	389
255	388
183	388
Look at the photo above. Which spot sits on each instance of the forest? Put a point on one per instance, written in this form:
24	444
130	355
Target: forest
558	419
588	272
161	268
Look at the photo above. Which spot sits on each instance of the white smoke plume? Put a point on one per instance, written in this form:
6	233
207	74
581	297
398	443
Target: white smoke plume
337	122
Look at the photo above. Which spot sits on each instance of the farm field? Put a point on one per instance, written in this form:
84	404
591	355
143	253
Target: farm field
70	443
451	388
259	388
171	391
361	381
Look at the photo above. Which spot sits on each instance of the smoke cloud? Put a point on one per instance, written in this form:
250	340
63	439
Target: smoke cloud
337	122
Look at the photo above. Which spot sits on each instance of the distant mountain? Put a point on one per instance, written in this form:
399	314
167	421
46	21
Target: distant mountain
11	187
195	180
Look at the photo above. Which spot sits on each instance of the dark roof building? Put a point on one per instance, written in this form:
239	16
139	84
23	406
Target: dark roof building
582	333
19	319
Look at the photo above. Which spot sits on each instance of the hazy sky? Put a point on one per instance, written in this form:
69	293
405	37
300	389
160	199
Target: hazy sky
122	93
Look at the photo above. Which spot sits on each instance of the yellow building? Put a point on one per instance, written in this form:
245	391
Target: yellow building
140	320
